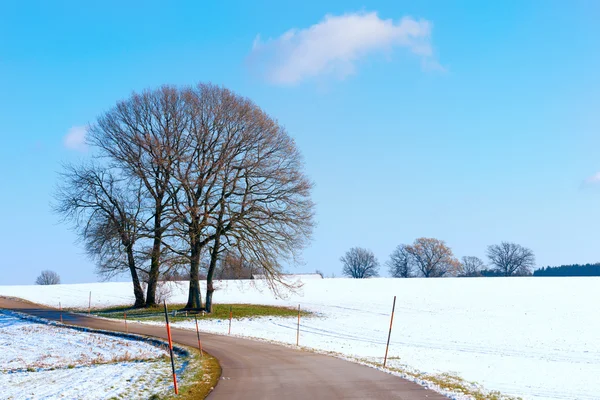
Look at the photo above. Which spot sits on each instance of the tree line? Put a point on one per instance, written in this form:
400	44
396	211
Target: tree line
183	178
432	258
570	270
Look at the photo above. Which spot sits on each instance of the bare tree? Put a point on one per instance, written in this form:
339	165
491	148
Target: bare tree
433	258
238	186
264	208
401	263
471	266
360	263
143	136
105	211
48	277
218	175
511	259
201	186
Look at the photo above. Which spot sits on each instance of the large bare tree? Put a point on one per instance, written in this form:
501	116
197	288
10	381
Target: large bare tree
360	263
217	174
105	210
238	185
264	211
401	263
142	135
198	187
433	258
511	259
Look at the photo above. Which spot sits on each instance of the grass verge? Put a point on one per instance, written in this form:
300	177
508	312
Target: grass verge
201	376
206	374
220	311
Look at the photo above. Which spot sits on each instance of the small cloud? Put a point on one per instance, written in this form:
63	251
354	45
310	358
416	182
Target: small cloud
335	45
594	179
75	139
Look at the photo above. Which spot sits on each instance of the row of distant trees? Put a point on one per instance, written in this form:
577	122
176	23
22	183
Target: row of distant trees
182	179
570	270
432	258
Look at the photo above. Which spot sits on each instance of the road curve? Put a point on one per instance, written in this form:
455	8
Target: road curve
259	370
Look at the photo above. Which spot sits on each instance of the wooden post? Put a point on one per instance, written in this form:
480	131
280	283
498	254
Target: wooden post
198	334
298	330
60	308
390	333
125	316
90	303
170	347
230	315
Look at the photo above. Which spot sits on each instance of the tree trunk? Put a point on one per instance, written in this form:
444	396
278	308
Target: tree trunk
208	299
154	262
194	301
137	287
214	256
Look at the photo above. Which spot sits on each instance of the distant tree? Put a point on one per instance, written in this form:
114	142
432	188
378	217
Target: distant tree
318	271
433	258
48	277
471	266
490	273
401	263
360	263
511	259
232	266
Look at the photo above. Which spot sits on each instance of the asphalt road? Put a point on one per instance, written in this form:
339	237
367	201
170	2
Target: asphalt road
258	370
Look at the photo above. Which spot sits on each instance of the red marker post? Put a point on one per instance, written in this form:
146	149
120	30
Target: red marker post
230	316
298	330
389	334
170	348
198	334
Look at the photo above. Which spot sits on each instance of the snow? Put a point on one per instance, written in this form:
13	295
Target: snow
536	338
40	361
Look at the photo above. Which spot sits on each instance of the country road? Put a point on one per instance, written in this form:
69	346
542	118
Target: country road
259	370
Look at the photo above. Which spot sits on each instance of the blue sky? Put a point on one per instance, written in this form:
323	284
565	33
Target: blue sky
472	122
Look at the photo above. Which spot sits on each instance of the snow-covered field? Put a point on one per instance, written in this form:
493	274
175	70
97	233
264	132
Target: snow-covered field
39	361
537	338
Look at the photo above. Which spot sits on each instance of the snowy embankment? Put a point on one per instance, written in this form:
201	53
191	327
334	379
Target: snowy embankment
47	361
536	338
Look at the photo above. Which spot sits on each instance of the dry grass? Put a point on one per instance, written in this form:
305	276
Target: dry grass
448	381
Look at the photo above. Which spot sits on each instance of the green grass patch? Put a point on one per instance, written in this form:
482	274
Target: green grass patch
207	372
201	376
220	311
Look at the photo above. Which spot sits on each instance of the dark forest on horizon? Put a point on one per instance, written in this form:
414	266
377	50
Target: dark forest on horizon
570	270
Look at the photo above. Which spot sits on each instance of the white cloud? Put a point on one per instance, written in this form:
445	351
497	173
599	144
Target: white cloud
334	45
594	179
75	139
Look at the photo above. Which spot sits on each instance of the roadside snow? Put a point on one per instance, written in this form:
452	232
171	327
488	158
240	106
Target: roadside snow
536	338
40	361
